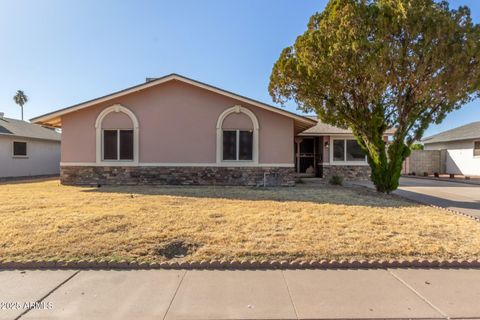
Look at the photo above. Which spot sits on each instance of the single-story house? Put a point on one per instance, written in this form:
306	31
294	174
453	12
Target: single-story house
27	149
175	130
461	147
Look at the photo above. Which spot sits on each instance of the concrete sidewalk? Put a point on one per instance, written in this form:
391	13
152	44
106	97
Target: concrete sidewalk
274	294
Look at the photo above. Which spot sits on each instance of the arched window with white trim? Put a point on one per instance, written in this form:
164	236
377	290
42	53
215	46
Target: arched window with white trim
237	136
117	135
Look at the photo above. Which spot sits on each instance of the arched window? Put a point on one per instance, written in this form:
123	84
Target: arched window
237	136
117	136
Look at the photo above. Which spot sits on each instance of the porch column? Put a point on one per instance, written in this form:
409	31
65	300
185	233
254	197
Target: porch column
298	140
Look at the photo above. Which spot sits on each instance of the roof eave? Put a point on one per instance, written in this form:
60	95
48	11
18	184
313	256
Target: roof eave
28	137
53	119
450	140
334	133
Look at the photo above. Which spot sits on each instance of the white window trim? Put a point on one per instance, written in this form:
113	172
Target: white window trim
473	151
99	135
344	162
235	164
221	118
13	149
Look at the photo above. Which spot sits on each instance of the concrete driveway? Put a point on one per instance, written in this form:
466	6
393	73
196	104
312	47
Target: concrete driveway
460	197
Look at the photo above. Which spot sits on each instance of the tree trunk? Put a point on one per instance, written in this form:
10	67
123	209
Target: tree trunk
385	176
386	167
21	107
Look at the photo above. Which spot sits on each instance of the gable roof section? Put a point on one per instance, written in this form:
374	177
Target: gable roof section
53	119
324	129
23	129
466	132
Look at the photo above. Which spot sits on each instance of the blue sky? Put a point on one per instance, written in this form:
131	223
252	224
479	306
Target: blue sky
64	52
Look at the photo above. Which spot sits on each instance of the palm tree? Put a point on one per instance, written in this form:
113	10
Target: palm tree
20	98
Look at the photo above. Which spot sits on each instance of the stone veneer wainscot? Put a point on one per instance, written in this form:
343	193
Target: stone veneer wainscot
127	175
347	172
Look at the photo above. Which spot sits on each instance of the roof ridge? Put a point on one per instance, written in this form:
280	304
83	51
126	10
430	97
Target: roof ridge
303	120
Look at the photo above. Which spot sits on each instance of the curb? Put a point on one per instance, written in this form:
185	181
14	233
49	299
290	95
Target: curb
239	265
451	211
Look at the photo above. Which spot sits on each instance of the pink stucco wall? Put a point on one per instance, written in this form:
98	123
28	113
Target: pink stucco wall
177	124
237	121
117	120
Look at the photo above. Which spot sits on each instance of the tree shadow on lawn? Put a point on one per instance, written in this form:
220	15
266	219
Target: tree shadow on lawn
323	194
28	179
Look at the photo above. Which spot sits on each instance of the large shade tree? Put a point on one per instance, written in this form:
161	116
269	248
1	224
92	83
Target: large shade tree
370	65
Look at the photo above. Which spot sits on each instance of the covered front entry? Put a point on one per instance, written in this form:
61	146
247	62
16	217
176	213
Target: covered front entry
309	156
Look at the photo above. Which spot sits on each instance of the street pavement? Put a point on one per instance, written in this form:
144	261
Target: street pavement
272	294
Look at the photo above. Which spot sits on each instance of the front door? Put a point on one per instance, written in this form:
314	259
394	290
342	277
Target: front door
307	155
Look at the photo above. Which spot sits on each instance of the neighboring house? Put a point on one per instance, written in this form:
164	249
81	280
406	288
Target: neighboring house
175	130
462	149
27	149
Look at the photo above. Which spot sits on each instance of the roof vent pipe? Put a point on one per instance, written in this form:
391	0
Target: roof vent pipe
1	115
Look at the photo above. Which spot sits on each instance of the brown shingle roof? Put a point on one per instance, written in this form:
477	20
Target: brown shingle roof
322	128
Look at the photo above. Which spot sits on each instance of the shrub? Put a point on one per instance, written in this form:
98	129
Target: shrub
336	180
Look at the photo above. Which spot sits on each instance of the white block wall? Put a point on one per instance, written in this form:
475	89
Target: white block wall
459	159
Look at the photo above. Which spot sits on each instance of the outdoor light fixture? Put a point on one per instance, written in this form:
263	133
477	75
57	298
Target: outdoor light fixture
327	144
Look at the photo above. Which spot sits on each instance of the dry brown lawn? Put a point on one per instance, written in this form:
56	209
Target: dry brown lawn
45	220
